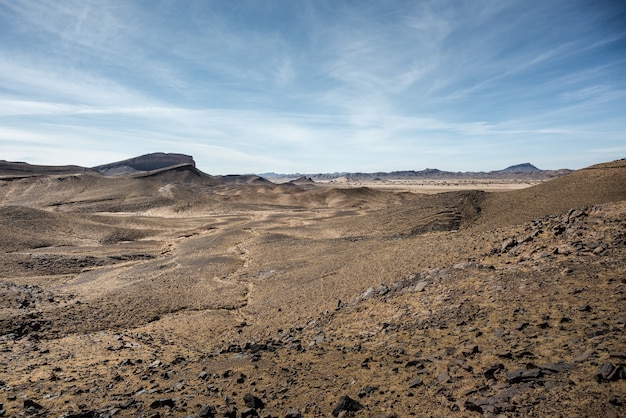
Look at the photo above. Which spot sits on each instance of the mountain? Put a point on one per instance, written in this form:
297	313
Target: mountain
147	162
20	169
521	168
526	170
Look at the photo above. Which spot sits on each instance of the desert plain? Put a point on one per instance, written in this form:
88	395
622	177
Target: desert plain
174	293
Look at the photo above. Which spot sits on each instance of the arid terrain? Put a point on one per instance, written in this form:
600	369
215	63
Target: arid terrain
173	293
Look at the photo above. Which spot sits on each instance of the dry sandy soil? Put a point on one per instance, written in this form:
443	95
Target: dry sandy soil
174	293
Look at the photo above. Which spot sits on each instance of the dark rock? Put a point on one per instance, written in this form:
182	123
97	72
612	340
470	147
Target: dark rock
129	403
470	350
522	375
490	372
253	402
416	383
556	367
84	414
159	403
608	372
249	412
414	363
521	325
507	244
230	413
366	391
346	404
29	403
292	413
207	411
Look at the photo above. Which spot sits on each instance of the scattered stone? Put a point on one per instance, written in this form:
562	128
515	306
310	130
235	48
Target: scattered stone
207	411
490	372
346	404
443	377
470	350
253	402
584	356
416	383
366	391
523	375
521	325
29	403
508	244
585	308
608	372
292	413
555	367
159	403
420	286
230	413
249	412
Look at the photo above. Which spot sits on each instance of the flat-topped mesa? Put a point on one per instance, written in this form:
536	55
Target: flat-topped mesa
146	162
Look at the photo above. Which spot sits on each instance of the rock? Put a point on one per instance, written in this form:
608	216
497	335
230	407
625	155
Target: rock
585	308
253	401
159	403
292	413
203	375
207	411
230	413
521	325
84	414
420	286
443	377
522	375
416	383
29	403
470	350
346	404
584	356
508	244
555	367
366	391
249	412
608	372
490	372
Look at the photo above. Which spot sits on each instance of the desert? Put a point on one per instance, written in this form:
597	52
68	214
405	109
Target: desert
149	288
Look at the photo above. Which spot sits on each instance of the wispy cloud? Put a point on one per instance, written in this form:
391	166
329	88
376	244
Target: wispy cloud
311	86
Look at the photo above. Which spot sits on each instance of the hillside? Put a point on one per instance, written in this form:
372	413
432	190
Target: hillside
170	292
148	162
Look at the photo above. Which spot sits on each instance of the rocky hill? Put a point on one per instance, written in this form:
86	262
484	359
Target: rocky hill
174	293
21	169
146	162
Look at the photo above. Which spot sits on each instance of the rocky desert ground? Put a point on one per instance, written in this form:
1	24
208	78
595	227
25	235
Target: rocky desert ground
173	293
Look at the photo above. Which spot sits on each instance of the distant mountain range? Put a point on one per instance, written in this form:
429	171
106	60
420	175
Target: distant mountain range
160	160
519	170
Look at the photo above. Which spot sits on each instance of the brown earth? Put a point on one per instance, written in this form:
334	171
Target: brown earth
175	293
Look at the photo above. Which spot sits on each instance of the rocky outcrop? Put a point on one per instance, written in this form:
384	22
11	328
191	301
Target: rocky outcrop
146	162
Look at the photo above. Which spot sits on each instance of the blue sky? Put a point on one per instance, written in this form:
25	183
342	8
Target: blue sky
315	86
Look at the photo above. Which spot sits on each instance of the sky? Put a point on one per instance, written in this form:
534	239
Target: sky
296	86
